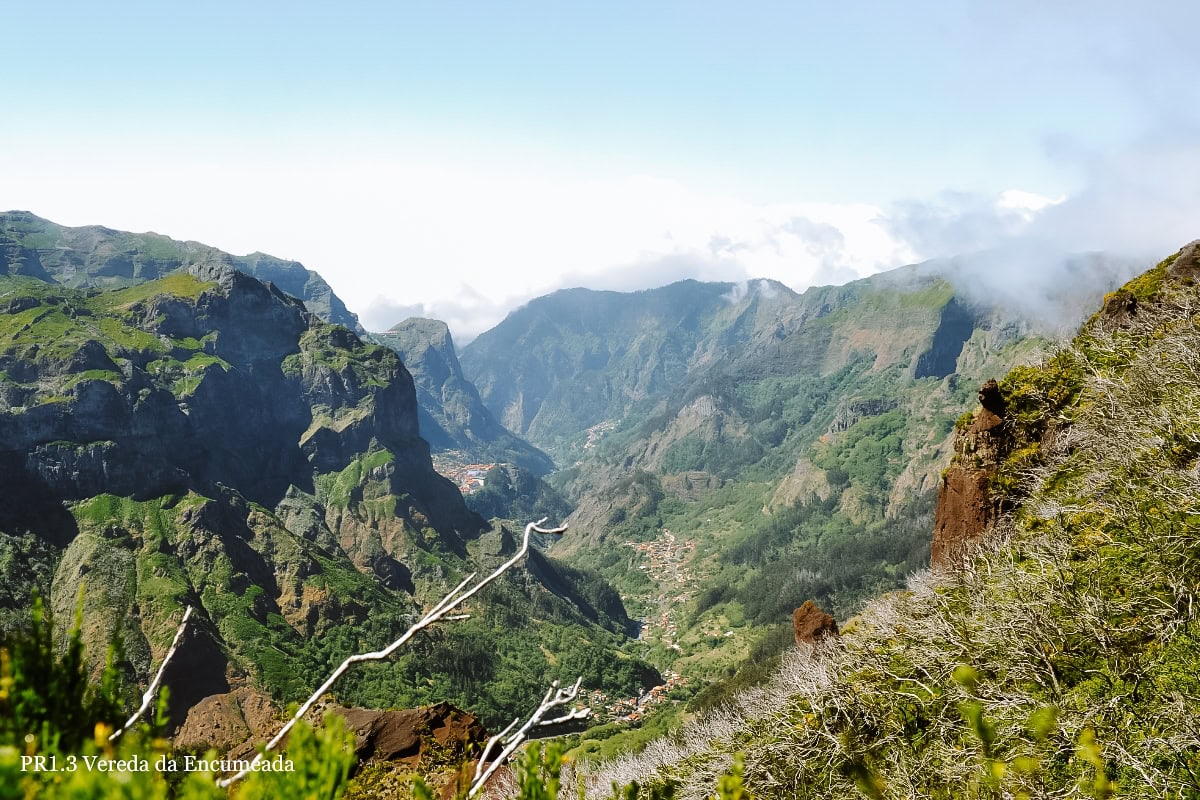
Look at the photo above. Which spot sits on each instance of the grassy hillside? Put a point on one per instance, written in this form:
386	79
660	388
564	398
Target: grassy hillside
1061	661
98	257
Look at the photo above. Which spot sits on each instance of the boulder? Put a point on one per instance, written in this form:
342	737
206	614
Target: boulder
811	624
230	722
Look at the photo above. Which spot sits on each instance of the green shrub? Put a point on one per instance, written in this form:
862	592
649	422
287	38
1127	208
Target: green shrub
45	694
322	760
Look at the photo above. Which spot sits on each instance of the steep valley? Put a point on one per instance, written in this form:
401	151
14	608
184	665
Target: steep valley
735	451
1052	652
181	432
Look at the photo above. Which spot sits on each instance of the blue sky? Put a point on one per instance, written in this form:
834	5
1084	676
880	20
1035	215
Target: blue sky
455	159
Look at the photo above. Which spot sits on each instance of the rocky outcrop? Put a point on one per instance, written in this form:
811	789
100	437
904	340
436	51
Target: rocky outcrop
854	410
411	735
966	506
1122	307
811	625
232	723
436	742
692	484
390	745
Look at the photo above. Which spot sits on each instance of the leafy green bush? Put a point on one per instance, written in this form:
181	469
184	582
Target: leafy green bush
46	697
322	759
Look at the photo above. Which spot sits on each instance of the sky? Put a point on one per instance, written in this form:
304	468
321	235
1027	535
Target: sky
456	159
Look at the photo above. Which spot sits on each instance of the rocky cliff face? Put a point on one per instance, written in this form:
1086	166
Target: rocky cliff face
452	414
204	439
212	378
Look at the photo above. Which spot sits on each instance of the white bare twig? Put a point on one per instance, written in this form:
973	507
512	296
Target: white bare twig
440	611
554	698
148	697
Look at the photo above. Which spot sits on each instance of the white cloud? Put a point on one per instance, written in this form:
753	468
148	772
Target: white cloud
463	244
397	235
1141	201
1026	203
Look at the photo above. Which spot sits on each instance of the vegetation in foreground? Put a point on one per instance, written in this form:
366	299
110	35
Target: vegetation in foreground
56	741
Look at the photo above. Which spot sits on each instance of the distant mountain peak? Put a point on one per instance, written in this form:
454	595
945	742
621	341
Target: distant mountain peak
453	416
97	257
435	329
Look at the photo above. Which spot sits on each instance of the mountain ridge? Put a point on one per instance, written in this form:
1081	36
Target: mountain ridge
1054	651
453	415
766	439
99	257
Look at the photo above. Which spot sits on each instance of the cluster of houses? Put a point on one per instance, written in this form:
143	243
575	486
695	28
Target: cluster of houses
665	557
633	709
467	477
596	433
664	560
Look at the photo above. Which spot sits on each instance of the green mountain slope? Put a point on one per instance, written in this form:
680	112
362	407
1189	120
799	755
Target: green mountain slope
97	257
202	439
579	358
799	462
747	449
1059	661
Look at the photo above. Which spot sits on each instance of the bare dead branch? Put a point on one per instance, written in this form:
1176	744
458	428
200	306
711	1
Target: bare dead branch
440	611
148	697
554	698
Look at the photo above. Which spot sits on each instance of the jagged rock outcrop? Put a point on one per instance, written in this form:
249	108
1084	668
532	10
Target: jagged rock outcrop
407	736
811	625
966	506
